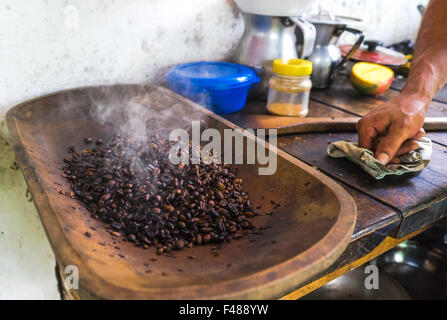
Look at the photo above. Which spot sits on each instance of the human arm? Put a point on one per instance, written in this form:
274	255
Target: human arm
399	121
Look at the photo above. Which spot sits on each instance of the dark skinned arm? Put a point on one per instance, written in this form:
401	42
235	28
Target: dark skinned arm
399	122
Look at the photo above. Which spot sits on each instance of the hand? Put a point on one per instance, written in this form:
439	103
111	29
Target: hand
398	123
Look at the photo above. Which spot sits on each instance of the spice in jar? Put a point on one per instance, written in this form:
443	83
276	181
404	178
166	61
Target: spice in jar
290	87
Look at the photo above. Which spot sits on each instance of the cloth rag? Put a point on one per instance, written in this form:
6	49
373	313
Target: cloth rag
413	161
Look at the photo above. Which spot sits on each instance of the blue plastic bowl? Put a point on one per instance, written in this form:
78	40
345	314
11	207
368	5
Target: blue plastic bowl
221	86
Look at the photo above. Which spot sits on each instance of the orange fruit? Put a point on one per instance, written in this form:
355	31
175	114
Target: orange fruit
370	78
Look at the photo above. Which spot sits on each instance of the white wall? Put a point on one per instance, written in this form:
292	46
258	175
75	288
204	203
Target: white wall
48	45
387	20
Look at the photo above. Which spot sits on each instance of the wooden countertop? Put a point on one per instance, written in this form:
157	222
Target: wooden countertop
390	210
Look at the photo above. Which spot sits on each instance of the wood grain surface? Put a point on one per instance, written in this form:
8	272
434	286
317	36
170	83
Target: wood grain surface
289	125
304	236
396	207
406	194
403	193
343	96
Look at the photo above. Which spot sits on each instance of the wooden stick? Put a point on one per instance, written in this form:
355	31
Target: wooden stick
307	125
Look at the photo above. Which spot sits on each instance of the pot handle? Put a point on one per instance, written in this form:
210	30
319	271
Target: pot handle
308	31
354	48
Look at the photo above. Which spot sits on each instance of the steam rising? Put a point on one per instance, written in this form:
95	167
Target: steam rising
140	112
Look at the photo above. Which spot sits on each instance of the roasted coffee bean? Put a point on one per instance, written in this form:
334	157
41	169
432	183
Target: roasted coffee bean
131	185
198	239
116	225
180	244
206	229
206	238
221	186
221	227
111	184
245	224
105	197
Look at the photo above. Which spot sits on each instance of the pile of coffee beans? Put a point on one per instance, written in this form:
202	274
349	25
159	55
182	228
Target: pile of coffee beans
131	185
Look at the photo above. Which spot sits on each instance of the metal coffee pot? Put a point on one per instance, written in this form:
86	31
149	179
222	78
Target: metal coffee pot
266	38
326	56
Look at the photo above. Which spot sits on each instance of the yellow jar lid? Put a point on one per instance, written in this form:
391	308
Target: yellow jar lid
292	67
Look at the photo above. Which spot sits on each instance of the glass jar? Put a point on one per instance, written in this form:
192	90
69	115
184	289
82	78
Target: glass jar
289	87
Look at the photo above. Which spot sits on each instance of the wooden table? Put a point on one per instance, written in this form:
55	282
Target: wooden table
391	210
